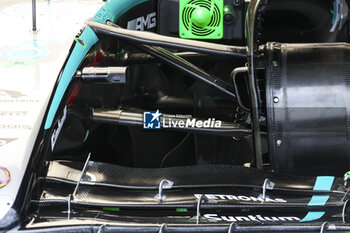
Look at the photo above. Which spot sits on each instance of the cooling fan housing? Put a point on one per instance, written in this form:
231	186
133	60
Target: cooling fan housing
201	19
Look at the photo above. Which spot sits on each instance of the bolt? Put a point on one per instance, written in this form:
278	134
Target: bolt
276	100
279	142
274	63
237	2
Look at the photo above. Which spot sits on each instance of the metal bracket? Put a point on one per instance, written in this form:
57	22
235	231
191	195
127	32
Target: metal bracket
161	229
164	184
232	227
69	209
343	212
323	227
345	195
234	74
340	14
101	229
199	204
82	175
268	185
71	196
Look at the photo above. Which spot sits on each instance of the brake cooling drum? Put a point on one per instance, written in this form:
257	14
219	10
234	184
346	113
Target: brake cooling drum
308	108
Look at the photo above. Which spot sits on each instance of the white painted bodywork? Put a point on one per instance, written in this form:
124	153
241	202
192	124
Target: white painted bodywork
29	66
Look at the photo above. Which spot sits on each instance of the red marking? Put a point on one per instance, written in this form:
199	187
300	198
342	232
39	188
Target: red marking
74	94
96	60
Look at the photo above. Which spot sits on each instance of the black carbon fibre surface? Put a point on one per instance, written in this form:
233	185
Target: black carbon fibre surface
208	217
98	173
169	217
115	202
215	198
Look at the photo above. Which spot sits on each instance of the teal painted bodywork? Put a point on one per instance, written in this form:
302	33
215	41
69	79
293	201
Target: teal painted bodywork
74	60
110	11
113	9
323	183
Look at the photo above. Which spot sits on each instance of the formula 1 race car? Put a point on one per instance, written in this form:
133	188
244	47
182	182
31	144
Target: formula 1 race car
193	116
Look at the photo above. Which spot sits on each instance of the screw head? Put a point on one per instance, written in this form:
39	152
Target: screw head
237	2
279	142
275	63
276	100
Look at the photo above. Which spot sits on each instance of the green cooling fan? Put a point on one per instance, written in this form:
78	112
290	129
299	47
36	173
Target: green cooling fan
201	19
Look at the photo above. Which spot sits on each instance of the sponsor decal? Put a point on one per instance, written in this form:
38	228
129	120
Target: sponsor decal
152	120
7	96
5	177
13	113
4	141
19	101
139	24
11	94
11	126
249	218
191	123
57	131
240	198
